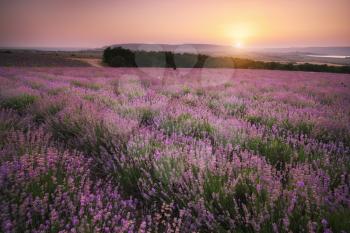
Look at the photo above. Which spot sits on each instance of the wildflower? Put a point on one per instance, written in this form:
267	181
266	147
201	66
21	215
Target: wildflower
300	184
324	222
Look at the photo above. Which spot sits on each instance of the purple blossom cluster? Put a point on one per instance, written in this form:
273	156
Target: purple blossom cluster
200	150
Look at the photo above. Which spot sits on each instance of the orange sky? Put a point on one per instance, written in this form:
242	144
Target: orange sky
95	23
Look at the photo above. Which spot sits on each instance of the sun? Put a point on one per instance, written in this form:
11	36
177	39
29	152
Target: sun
238	45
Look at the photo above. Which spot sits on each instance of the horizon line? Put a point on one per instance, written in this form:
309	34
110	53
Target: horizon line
76	48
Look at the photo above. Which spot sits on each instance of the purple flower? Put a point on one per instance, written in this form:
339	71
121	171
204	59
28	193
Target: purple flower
324	222
300	184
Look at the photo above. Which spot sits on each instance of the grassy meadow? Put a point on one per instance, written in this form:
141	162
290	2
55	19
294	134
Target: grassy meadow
162	150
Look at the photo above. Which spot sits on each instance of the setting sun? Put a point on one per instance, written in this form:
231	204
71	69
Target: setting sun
238	45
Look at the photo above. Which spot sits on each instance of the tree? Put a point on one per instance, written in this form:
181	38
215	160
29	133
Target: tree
119	57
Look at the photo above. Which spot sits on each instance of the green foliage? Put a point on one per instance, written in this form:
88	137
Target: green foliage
301	127
45	184
214	105
7	124
186	90
299	218
89	136
120	57
185	60
67	129
228	201
327	135
218	198
170	60
254	119
144	150
338	220
202	129
147	116
128	177
79	133
304	127
89	98
185	124
259	120
128	174
19	102
215	184
327	100
35	85
276	152
169	168
104	100
56	91
91	86
100	138
41	115
150	59
235	109
200	92
174	125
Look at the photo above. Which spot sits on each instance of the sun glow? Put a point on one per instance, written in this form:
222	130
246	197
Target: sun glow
238	45
240	34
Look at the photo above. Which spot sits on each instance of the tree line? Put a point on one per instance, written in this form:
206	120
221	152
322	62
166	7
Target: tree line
121	57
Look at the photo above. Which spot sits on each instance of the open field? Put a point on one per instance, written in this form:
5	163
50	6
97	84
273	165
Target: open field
161	150
32	58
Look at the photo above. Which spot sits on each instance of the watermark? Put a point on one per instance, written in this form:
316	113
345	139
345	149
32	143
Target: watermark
190	68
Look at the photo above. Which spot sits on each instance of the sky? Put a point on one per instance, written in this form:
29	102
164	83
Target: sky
248	23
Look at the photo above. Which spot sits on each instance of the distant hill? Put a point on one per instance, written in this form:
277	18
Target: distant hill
213	49
340	51
210	49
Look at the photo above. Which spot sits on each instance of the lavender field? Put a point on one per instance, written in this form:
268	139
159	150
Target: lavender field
160	150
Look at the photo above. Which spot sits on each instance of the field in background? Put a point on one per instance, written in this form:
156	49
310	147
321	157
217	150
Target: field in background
36	58
161	150
91	57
